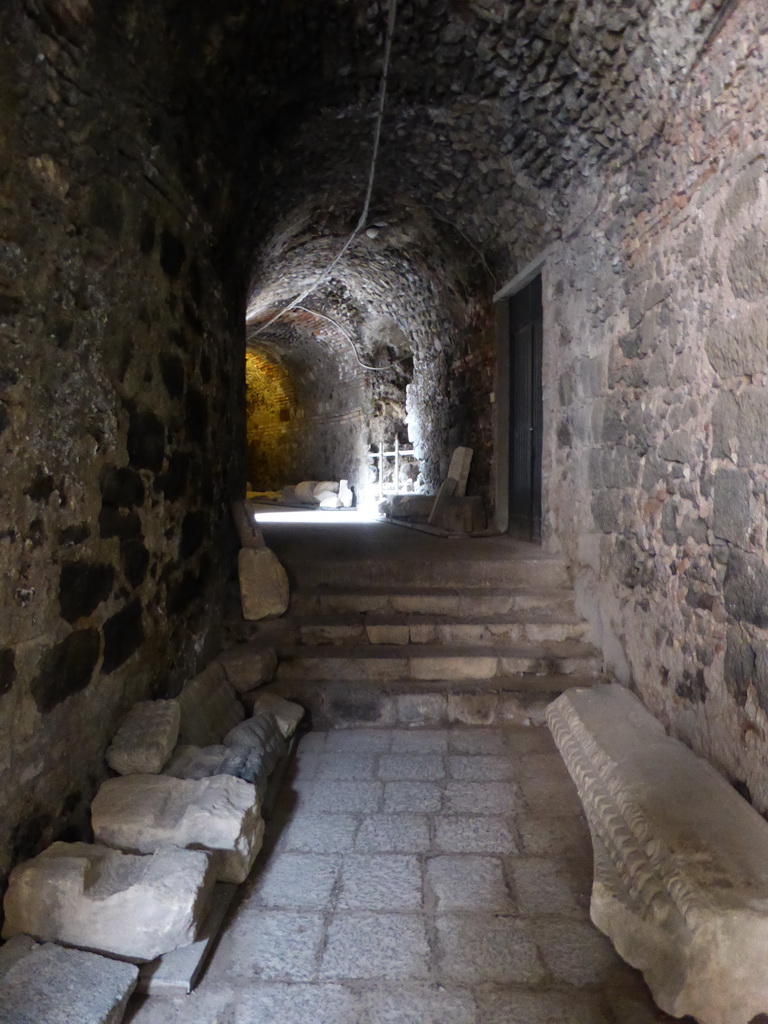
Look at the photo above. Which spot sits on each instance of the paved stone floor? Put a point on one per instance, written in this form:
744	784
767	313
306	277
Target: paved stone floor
418	877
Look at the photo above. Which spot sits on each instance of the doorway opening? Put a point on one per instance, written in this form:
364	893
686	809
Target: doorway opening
526	415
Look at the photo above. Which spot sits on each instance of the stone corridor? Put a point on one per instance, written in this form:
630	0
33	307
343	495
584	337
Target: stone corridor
429	876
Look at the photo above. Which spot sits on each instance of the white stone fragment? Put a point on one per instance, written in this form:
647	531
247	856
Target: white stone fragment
247	666
305	491
144	813
146	738
287	714
52	985
681	860
326	487
111	902
346	495
209	707
328	499
264	589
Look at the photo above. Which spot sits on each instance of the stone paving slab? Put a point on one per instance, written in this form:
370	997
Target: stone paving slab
423	876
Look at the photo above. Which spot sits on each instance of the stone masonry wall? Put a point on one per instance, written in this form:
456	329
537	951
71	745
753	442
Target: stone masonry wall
120	412
305	410
657	447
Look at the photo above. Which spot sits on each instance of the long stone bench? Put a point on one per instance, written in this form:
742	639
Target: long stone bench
681	860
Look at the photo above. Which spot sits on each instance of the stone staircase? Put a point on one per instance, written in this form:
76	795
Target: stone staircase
479	640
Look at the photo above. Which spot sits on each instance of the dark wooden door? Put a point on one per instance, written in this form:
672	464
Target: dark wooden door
525	411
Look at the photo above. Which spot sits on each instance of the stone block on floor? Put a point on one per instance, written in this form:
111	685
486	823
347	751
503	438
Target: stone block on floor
259	733
144	813
247	666
264	589
51	985
287	713
684	846
146	738
209	708
91	896
202	762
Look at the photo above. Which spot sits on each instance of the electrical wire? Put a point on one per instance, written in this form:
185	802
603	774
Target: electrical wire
350	339
391	20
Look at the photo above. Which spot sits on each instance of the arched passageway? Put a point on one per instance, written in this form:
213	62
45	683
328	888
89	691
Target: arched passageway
174	173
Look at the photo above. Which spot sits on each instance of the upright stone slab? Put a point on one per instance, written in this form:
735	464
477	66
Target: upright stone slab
144	813
681	860
146	738
209	707
264	590
52	985
461	462
247	666
111	902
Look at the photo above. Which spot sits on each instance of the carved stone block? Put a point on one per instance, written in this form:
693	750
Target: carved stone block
681	860
104	900
143	813
146	738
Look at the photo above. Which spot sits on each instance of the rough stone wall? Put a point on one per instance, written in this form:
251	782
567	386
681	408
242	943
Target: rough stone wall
657	448
306	408
121	360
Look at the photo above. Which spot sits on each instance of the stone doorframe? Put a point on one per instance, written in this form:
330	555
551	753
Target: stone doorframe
500	467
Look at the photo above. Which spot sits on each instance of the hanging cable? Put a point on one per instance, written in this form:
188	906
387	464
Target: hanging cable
371	178
350	339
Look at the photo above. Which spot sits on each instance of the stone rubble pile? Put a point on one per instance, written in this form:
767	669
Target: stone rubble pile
183	814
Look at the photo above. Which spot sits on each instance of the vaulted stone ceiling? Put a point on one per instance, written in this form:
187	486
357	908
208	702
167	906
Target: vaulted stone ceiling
492	107
493	110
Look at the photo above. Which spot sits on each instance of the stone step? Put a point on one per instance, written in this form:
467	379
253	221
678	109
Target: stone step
540	570
424	600
372	629
430	662
504	700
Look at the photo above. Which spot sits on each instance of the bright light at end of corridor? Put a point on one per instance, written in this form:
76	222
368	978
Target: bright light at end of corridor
319	517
